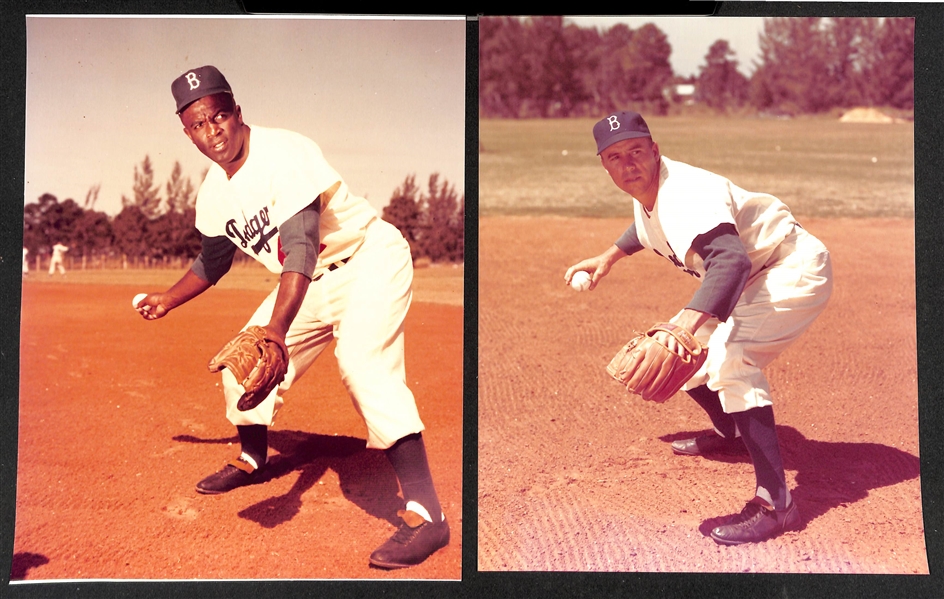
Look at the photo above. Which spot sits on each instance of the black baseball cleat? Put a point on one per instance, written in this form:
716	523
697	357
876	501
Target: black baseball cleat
237	473
416	540
709	444
757	522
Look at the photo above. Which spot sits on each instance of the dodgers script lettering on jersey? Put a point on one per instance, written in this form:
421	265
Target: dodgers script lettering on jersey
693	201
284	173
254	227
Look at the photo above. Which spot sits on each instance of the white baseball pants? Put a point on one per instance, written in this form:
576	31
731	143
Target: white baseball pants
778	304
363	305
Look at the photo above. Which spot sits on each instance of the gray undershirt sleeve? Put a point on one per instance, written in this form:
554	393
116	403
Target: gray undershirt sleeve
215	259
727	269
301	236
629	241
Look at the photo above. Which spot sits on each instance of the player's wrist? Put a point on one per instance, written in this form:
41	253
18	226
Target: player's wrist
690	320
614	254
276	330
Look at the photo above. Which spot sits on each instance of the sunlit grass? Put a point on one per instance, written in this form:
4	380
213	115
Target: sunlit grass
439	283
818	166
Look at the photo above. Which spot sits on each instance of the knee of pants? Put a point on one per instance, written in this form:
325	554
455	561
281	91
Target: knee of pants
367	379
264	413
377	358
740	383
376	379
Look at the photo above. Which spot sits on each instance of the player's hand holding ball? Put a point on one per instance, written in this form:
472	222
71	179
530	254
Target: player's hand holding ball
586	274
580	281
148	306
137	300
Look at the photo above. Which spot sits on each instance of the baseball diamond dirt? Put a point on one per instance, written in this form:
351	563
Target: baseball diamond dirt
575	474
119	418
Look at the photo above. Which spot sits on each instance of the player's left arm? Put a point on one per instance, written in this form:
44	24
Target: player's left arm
301	237
727	269
292	289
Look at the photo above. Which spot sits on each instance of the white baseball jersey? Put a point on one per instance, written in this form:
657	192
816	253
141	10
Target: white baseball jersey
284	172
693	201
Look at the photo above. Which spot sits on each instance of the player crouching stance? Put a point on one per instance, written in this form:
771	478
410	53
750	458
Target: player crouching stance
764	280
345	274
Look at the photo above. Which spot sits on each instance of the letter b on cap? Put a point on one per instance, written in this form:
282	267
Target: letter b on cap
612	120
192	80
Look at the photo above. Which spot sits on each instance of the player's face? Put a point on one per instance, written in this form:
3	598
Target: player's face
215	125
634	165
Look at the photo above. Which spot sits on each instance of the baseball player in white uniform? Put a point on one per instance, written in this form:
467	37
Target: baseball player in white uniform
56	263
345	274
764	279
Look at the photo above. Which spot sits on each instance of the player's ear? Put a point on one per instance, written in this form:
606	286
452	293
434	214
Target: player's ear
239	114
188	134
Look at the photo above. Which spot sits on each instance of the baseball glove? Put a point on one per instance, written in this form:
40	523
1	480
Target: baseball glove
650	369
257	361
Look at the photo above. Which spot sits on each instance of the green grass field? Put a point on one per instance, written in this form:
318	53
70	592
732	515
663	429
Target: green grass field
818	166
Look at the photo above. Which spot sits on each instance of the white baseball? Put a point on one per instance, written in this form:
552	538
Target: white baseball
138	298
580	281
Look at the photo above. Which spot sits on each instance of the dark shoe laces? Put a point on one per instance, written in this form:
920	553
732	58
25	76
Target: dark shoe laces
750	512
405	534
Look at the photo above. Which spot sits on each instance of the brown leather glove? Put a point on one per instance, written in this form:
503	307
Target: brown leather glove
648	368
258	362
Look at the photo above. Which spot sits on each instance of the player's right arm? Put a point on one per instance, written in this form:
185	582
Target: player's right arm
214	261
159	304
599	266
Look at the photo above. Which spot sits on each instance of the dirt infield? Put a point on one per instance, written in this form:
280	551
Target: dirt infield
577	475
119	418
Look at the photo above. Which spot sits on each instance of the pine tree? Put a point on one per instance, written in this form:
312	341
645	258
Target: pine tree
403	211
179	190
146	196
720	83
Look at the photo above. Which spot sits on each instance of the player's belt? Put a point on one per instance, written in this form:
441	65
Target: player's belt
333	266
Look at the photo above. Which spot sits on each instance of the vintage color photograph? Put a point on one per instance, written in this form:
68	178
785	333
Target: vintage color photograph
725	198
215	207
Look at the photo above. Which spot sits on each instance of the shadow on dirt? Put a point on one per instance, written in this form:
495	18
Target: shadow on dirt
829	475
24	562
366	477
836	474
728	457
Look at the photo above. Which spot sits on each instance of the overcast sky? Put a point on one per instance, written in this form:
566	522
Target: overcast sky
383	98
690	37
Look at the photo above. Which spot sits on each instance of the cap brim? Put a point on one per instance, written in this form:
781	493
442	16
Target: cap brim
204	95
621	137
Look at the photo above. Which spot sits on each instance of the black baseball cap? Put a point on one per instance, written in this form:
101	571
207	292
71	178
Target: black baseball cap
619	126
198	83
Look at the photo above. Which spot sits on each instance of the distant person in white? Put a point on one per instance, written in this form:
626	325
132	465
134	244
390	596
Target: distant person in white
56	263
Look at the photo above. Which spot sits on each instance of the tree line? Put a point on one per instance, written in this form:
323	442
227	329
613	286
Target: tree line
156	225
433	222
543	67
